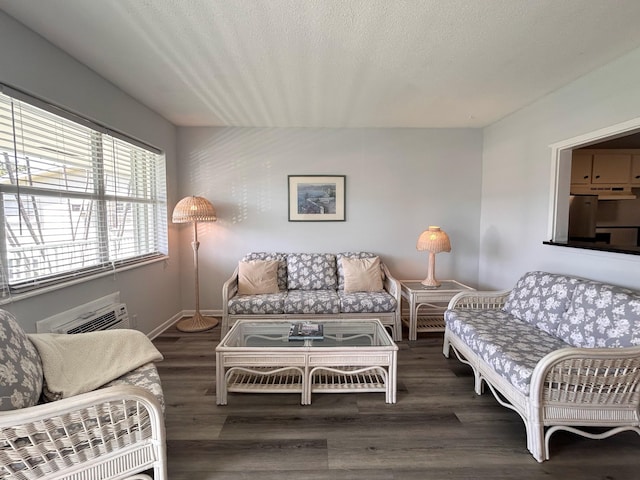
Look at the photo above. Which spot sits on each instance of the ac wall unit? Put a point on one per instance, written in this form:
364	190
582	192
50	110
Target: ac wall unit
107	318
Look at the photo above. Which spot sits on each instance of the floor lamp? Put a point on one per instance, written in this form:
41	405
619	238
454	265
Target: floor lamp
193	210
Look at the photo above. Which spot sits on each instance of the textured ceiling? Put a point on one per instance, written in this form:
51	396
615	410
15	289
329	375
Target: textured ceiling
336	63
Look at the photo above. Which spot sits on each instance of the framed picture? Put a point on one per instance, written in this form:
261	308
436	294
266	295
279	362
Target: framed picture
317	198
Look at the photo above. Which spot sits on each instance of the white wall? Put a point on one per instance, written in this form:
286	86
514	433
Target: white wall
517	177
30	63
398	182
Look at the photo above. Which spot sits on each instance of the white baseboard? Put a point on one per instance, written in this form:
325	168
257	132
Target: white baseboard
184	313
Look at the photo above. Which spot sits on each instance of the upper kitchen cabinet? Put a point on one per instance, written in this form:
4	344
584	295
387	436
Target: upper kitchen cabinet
611	168
581	167
635	170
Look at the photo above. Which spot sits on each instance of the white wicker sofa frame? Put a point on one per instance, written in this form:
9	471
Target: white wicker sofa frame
562	352
113	432
312	286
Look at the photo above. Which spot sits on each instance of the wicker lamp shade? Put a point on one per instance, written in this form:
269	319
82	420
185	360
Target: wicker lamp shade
193	210
433	240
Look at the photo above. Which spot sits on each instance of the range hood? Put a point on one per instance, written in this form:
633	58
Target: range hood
605	192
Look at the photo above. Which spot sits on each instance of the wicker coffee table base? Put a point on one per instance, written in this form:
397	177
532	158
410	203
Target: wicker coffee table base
323	379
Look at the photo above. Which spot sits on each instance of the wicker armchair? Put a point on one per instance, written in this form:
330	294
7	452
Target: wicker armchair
115	432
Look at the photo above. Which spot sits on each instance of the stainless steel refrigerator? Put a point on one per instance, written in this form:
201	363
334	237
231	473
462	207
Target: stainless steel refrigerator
583	210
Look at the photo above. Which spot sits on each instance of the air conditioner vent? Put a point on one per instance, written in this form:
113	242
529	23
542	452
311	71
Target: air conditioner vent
110	317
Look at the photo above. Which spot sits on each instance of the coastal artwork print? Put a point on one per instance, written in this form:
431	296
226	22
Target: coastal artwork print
317	198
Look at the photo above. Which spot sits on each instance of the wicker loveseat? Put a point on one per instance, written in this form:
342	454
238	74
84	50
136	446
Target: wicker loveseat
314	285
113	432
563	352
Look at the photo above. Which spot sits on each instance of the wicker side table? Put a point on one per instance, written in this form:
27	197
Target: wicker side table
427	304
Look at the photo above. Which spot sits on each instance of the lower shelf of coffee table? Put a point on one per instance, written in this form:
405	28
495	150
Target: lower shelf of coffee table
290	379
341	379
265	379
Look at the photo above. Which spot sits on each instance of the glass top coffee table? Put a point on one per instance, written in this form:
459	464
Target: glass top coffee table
354	355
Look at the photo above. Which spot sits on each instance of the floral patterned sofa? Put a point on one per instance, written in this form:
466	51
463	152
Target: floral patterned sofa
114	431
267	286
562	351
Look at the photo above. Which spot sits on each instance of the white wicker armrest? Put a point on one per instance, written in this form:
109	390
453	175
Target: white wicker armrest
115	430
391	285
605	377
493	299
230	288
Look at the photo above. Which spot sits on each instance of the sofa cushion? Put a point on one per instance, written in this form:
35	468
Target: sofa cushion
362	274
541	299
281	258
257	276
601	316
145	376
366	302
21	376
342	255
312	301
511	347
268	303
311	271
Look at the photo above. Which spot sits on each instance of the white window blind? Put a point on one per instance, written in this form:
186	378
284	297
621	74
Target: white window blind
76	198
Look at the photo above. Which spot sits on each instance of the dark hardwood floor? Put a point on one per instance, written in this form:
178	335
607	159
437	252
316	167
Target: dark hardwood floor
438	429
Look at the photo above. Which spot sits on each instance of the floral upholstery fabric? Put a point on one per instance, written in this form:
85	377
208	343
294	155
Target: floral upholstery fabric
366	302
272	303
541	299
146	377
282	264
312	301
510	346
311	271
602	316
339	258
21	375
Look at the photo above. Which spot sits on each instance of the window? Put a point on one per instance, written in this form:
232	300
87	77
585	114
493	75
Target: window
76	198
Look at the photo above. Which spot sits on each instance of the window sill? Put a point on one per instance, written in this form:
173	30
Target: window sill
626	249
10	298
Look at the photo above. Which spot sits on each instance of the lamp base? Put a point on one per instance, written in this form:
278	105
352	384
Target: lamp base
430	283
197	323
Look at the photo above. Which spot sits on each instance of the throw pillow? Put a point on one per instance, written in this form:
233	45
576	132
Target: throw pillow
21	374
362	274
257	276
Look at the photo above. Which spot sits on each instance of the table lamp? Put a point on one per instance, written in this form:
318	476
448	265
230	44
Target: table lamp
433	240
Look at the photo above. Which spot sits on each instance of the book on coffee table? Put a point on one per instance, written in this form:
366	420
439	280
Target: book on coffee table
306	331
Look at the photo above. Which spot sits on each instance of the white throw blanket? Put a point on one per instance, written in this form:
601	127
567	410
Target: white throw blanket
82	362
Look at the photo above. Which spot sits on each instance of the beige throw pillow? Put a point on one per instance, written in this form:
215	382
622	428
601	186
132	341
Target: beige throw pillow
258	276
362	274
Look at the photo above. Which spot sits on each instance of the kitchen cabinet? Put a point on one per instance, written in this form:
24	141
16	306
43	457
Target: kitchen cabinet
581	167
635	170
611	168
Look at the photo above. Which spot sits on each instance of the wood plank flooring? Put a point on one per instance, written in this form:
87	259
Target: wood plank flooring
438	429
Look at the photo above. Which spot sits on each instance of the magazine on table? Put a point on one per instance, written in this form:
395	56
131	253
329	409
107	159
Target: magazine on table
306	331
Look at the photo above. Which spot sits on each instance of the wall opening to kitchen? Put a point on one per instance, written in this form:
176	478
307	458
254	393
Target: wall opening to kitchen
595	190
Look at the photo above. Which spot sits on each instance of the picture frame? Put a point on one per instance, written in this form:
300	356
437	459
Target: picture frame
317	198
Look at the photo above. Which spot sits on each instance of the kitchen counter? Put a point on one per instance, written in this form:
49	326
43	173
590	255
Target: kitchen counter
628	249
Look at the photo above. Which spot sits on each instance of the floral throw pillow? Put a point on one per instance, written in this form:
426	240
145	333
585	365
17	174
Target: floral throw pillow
21	374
